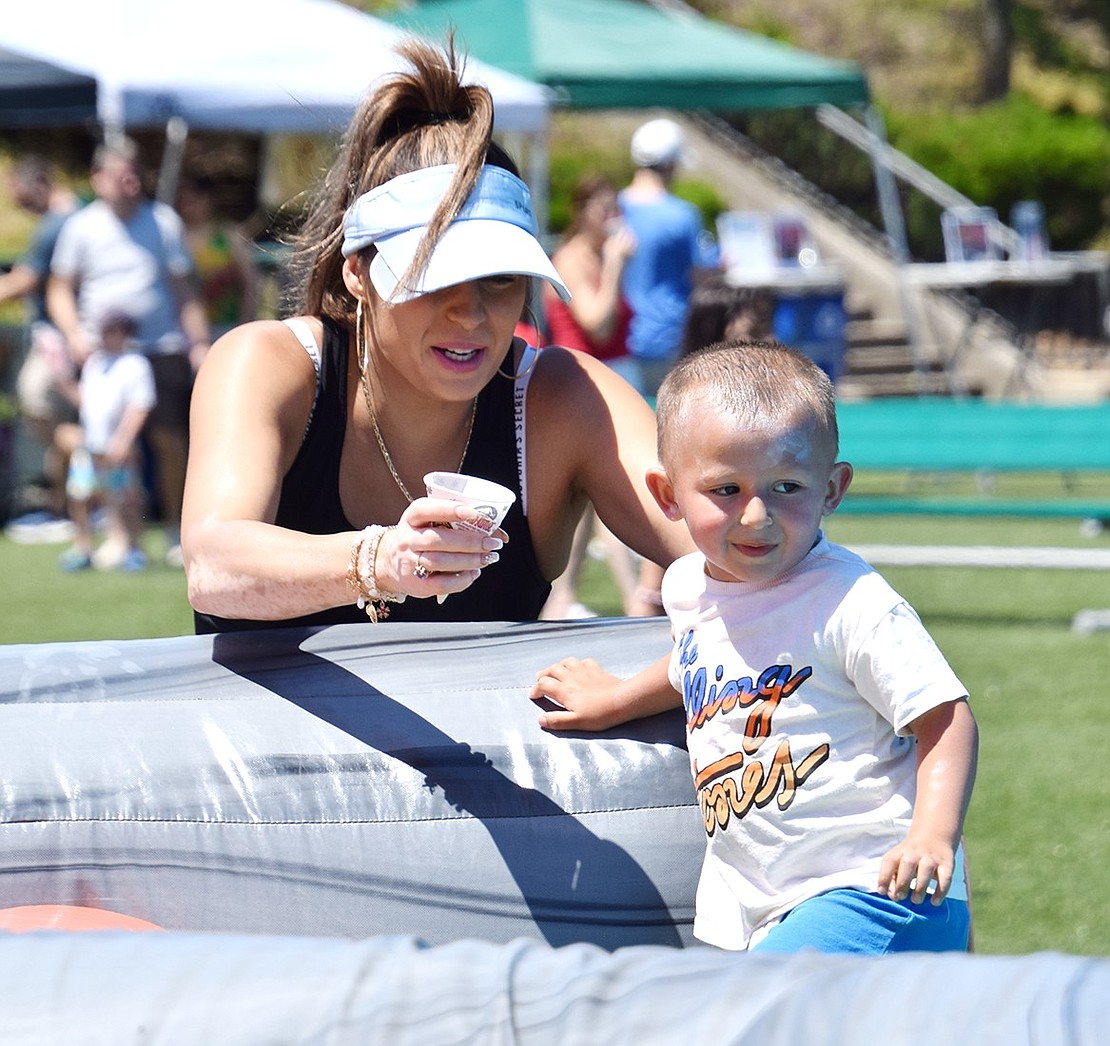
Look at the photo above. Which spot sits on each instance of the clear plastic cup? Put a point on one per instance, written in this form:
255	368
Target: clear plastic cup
489	501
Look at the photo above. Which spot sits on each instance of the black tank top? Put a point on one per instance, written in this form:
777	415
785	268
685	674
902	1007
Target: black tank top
512	589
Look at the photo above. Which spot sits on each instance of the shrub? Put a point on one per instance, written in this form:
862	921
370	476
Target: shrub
1011	151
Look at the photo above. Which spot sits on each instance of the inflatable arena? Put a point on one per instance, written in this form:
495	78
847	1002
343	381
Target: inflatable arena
358	834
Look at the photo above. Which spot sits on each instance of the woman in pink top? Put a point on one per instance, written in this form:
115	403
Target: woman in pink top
590	258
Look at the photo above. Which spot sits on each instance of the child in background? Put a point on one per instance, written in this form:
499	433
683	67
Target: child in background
114	397
832	747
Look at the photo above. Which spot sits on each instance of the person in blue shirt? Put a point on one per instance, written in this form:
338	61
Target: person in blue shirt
671	244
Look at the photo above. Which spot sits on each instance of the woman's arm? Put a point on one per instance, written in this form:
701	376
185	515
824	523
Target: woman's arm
251	404
592	436
595	282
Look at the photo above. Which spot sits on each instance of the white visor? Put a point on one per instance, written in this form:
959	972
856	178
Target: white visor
494	233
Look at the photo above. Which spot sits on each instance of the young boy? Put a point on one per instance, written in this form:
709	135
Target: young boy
832	747
115	395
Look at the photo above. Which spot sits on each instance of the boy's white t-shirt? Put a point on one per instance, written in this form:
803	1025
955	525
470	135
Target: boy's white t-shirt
109	384
798	694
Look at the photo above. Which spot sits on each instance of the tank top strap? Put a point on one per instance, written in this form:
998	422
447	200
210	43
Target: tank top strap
303	333
528	359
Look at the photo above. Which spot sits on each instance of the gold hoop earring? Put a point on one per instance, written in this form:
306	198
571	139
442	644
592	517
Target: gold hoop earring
535	355
535	325
527	370
362	351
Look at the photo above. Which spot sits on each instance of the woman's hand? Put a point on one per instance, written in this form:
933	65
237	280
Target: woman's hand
432	552
618	247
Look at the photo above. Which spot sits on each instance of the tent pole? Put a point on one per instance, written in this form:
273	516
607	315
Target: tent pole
539	178
895	225
177	130
889	203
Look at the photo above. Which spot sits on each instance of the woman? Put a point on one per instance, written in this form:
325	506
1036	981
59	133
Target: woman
590	258
303	501
226	275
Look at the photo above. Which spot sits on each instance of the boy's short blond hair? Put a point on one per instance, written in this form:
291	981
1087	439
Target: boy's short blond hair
750	380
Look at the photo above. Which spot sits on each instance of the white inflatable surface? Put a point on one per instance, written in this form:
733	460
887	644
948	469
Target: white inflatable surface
114	989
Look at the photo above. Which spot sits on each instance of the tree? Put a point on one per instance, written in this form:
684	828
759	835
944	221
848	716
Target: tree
998	43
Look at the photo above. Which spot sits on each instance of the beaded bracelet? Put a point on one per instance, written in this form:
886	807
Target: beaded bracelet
362	576
352	567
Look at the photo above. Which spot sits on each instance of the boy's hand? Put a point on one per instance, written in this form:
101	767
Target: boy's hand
947	745
593	699
586	692
922	860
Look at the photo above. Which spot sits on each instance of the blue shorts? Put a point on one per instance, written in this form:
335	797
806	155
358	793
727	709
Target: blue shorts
859	923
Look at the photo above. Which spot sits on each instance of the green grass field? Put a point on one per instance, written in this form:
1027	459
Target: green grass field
1039	826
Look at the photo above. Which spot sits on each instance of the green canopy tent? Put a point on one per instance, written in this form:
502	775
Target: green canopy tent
621	54
625	54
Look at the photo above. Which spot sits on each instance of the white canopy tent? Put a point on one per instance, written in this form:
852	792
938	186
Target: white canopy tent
268	66
261	65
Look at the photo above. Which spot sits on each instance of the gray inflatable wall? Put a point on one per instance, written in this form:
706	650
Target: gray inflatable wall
361	835
350	781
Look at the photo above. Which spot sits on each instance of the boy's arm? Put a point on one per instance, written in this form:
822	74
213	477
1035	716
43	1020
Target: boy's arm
593	699
947	750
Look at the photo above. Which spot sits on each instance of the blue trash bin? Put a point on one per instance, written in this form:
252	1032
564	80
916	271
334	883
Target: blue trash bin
813	322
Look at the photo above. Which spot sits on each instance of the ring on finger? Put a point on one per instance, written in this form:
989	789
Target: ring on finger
421	570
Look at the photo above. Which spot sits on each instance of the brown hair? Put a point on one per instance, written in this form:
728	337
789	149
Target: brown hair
748	380
416	119
585	190
32	170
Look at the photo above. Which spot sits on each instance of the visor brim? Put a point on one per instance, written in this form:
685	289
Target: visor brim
467	250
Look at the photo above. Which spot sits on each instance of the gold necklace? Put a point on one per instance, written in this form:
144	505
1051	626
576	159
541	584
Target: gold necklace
385	451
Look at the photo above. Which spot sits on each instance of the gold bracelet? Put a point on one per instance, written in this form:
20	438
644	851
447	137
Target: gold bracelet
353	577
373	591
364	559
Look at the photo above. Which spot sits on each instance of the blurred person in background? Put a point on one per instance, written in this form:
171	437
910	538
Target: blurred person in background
123	247
591	258
114	396
658	280
223	259
671	244
34	188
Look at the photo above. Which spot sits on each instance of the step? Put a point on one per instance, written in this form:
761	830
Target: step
884	358
875	332
907	383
